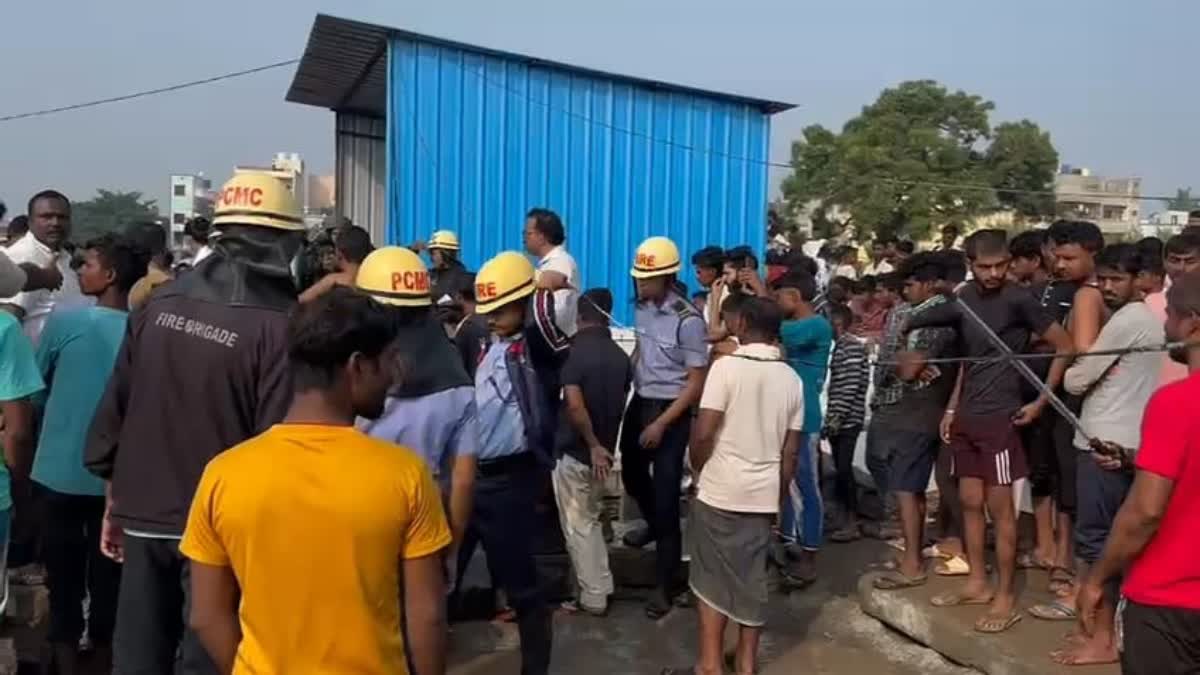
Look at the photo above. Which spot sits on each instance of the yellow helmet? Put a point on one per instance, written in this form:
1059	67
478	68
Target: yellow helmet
654	258
257	199
443	239
501	280
394	276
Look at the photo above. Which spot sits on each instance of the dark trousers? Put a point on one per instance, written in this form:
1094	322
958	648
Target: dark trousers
1160	640
503	520
75	568
1099	495
657	495
152	637
845	487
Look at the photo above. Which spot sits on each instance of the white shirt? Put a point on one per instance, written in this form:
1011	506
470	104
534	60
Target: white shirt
847	271
761	402
201	253
565	307
39	304
884	267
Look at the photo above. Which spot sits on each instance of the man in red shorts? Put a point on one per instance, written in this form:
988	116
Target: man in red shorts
981	419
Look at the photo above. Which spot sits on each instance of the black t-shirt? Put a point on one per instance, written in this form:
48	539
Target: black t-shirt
1014	314
602	370
471	339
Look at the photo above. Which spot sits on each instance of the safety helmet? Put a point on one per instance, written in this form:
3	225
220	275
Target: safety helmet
257	199
657	256
501	280
395	276
444	240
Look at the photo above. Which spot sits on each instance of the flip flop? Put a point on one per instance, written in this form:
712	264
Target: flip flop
896	543
954	566
1029	561
956	599
933	552
1053	611
895	581
1061	580
995	624
845	535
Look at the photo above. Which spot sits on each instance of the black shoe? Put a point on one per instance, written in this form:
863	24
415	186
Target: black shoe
638	538
658	607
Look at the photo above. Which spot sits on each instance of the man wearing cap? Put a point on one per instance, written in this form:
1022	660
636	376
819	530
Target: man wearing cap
203	368
668	375
516	422
431	405
446	270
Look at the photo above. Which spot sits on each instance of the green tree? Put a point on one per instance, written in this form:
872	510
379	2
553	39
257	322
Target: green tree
1183	201
914	160
1021	164
109	211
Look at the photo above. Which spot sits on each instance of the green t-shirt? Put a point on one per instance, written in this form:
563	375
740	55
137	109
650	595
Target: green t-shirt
19	379
75	354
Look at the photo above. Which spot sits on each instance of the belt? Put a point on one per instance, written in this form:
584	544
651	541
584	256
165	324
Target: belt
502	465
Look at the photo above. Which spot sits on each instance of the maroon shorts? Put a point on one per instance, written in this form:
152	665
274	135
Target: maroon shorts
988	447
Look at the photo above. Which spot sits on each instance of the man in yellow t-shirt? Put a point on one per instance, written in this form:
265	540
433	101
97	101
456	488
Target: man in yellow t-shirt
305	540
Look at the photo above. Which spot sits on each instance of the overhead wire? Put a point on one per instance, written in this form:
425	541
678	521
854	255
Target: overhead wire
147	92
565	111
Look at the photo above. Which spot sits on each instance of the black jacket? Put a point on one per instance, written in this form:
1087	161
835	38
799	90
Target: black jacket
203	367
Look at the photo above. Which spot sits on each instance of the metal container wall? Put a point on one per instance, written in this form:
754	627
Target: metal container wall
476	139
361	166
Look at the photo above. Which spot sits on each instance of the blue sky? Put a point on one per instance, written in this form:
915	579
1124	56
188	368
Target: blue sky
1113	82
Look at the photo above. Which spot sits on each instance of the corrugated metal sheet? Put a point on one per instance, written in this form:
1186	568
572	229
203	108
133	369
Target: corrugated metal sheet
476	139
361	152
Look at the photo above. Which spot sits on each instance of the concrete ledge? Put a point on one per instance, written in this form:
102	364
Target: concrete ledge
1022	650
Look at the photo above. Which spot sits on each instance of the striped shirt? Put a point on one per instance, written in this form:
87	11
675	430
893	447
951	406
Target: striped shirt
849	374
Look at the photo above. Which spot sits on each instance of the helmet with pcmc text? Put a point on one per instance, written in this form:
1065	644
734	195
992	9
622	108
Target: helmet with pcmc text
506	278
656	257
257	199
394	275
444	240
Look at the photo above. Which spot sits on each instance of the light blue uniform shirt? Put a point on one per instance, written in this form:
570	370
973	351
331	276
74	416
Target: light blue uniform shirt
666	349
501	427
439	427
19	378
76	354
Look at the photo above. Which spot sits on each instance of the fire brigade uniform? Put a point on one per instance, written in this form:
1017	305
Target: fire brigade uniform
446	278
203	367
516	422
431	408
670	342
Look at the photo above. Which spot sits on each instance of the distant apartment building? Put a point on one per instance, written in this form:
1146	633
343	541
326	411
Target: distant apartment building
1111	203
191	196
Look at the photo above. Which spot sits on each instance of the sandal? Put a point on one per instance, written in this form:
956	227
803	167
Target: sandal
1061	580
845	535
997	624
956	599
1053	611
1029	561
954	566
933	551
895	581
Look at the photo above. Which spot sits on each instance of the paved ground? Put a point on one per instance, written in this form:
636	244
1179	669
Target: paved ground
1022	650
820	630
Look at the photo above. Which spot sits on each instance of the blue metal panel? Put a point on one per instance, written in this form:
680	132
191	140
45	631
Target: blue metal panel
476	139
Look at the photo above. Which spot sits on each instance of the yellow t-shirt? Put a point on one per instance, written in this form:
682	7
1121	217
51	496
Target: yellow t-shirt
314	521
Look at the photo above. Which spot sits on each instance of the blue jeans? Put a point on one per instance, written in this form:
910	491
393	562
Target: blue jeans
803	519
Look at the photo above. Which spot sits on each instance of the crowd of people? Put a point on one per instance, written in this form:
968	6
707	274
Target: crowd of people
228	460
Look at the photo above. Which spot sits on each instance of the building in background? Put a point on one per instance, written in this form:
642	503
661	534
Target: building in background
1112	203
191	196
432	134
